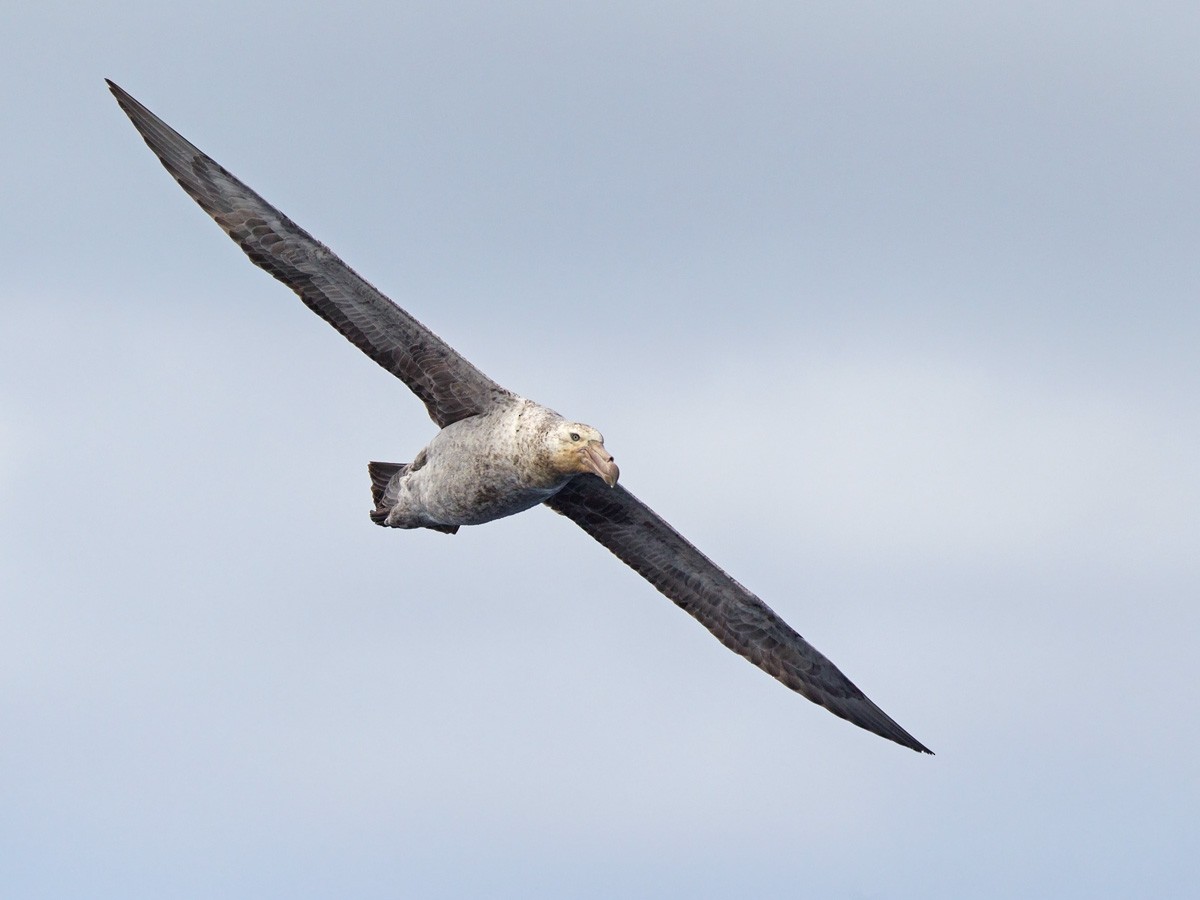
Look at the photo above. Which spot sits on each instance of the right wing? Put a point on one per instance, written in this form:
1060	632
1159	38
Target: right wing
738	619
449	386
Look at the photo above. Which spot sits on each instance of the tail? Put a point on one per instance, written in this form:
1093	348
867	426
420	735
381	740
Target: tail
381	476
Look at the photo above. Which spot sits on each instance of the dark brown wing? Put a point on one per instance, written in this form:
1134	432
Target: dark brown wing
450	387
740	621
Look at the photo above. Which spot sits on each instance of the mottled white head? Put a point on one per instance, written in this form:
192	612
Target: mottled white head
577	448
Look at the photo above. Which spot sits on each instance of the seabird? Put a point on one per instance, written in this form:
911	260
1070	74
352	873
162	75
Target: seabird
498	453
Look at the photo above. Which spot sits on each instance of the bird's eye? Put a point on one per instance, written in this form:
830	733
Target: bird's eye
574	436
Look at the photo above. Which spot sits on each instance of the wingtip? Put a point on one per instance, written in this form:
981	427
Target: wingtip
913	744
123	97
902	737
893	732
859	709
899	736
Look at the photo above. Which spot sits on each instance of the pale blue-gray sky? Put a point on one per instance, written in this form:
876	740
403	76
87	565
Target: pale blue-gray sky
892	309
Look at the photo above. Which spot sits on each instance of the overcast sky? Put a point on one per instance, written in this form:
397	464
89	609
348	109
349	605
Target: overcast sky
893	309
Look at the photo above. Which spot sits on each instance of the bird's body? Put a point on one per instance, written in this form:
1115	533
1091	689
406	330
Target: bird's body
498	454
504	461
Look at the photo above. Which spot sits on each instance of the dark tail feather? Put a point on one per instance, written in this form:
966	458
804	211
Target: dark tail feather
381	475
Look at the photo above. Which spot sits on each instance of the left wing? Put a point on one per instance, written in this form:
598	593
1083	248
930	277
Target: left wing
450	387
737	618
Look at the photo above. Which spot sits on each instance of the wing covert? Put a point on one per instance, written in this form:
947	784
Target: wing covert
738	619
450	387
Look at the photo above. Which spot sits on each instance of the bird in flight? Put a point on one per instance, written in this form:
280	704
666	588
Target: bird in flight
498	453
